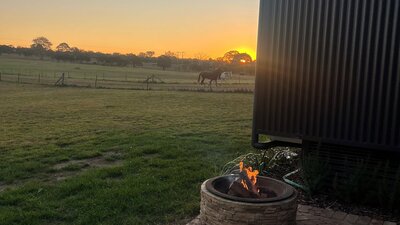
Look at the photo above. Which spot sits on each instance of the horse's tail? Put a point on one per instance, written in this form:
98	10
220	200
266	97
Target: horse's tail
200	75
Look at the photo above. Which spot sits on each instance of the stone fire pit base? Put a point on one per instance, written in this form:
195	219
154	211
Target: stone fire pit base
215	210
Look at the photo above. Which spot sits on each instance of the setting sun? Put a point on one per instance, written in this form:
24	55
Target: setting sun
248	50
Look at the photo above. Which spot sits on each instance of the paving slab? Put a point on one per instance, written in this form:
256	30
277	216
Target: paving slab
307	215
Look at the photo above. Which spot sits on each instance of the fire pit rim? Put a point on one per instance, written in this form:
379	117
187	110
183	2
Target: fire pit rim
290	191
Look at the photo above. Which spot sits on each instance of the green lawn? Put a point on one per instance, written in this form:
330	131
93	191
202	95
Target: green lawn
93	156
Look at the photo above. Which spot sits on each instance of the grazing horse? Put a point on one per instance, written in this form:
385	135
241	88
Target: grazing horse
212	76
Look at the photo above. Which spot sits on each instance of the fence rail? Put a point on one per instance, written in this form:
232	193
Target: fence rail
109	82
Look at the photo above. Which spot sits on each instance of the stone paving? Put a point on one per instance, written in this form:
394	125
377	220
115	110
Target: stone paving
307	215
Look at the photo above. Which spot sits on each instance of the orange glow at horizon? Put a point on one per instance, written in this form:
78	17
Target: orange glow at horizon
248	50
205	27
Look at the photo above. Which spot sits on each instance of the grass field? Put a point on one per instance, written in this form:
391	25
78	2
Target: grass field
96	156
29	71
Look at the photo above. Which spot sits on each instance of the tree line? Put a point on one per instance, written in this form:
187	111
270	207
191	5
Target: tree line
42	47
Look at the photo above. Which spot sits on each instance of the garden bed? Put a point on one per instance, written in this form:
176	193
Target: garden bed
284	166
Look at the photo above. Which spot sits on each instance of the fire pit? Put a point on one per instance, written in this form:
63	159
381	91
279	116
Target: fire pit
246	198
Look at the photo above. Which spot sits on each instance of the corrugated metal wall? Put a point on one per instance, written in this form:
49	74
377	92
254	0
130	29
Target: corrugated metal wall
329	70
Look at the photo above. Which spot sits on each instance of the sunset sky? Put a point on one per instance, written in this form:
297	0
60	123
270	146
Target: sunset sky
206	27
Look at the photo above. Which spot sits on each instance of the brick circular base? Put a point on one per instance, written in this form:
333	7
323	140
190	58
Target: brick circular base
215	210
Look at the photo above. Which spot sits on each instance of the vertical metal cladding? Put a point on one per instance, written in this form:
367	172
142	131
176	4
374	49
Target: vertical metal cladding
329	70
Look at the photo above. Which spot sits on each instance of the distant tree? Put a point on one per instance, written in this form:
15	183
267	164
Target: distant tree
230	56
171	54
220	59
40	46
63	56
164	62
201	56
134	60
75	50
6	49
142	55
63	47
24	51
76	55
150	54
41	43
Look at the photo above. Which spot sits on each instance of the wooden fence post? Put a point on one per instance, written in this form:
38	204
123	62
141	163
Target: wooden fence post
148	81
95	83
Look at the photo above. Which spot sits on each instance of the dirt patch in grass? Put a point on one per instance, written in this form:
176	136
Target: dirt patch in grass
4	187
63	144
151	156
67	169
71	168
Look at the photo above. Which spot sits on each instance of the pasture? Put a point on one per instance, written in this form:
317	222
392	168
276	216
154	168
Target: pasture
97	156
16	69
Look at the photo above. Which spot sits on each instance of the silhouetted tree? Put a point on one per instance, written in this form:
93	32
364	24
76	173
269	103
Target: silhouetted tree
171	54
142	55
229	56
40	46
24	51
150	54
8	49
41	43
75	55
134	60
201	56
164	62
75	50
63	47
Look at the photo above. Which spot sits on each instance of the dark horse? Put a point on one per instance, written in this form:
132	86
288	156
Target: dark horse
212	76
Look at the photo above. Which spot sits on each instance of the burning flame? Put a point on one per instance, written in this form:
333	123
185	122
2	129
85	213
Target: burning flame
252	175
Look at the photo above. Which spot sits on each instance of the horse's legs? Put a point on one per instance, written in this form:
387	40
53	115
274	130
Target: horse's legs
202	81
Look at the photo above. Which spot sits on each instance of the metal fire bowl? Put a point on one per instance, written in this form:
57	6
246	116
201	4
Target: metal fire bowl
220	187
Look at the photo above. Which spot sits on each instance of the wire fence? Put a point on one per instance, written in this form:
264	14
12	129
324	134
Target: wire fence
104	81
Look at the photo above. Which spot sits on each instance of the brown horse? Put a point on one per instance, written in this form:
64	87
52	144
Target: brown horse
212	76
